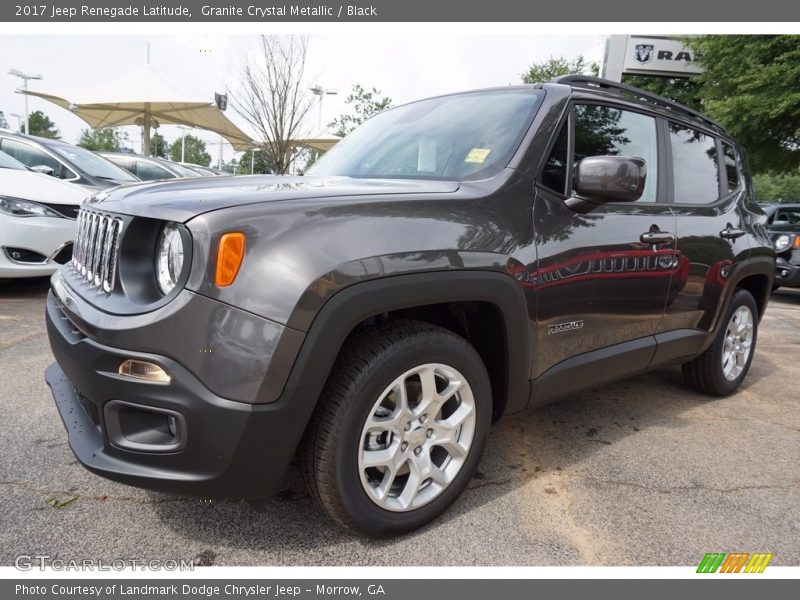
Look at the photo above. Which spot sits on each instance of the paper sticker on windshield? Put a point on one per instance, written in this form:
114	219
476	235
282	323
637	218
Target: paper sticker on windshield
477	155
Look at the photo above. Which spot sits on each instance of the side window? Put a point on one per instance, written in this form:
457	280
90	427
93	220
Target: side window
694	165
30	156
554	174
607	131
149	172
731	171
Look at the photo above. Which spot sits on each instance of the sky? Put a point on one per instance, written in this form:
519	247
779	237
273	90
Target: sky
404	67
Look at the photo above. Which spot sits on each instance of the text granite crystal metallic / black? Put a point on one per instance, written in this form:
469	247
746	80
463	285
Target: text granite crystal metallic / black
452	261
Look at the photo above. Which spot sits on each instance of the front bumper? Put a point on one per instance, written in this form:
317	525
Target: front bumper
48	237
229	449
786	274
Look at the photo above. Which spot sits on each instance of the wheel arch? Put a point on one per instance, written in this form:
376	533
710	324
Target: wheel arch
434	297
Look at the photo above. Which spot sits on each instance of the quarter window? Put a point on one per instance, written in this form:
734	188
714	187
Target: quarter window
607	131
731	171
694	164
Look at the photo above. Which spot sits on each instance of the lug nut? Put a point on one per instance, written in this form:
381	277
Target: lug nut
429	433
408	426
404	446
418	450
423	418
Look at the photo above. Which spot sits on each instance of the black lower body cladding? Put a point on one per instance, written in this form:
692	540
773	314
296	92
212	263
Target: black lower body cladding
228	449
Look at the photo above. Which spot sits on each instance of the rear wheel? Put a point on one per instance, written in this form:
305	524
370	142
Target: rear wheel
400	429
723	367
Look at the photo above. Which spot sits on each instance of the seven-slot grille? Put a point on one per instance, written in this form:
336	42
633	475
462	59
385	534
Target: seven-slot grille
96	250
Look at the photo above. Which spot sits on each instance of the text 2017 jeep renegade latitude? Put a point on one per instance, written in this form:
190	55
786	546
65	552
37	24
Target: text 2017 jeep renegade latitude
451	261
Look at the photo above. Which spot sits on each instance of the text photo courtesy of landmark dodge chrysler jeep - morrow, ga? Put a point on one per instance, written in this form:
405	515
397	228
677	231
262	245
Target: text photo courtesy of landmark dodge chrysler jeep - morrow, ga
450	262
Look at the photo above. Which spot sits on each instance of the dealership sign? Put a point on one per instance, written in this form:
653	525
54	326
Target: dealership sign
659	56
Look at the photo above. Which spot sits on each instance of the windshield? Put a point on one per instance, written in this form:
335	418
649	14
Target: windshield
91	163
8	162
459	137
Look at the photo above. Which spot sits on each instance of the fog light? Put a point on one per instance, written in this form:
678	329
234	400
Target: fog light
139	369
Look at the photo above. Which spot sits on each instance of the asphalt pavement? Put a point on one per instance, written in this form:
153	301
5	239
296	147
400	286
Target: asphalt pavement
640	472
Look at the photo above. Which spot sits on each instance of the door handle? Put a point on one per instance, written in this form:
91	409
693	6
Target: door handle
731	233
657	237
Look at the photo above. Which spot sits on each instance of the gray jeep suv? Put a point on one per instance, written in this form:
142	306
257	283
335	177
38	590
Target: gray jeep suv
452	261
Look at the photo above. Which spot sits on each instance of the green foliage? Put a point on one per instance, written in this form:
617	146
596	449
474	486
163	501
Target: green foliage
108	139
556	67
771	188
159	147
363	105
194	152
751	85
679	89
262	164
41	125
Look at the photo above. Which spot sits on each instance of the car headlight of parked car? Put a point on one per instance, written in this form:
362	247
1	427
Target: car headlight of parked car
786	240
17	207
169	258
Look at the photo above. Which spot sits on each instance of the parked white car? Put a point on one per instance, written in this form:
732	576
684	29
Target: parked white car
37	220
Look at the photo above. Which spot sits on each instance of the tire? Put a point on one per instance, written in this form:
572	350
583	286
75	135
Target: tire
339	446
717	371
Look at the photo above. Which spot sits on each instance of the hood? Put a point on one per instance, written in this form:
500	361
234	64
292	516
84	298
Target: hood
40	188
181	199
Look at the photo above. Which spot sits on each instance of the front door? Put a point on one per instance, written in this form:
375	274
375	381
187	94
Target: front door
602	278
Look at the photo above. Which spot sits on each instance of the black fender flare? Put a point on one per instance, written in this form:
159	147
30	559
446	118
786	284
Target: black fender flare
352	305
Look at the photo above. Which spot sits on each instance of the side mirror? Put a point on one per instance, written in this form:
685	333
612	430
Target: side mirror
603	179
44	170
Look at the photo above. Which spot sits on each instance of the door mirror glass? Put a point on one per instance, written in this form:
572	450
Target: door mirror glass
602	179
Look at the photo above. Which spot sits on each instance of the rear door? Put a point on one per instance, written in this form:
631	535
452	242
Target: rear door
603	277
705	186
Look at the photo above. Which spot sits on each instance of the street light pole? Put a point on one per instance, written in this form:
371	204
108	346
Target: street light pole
320	91
25	77
183	129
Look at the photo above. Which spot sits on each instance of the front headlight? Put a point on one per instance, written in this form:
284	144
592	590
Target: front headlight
17	207
782	242
169	258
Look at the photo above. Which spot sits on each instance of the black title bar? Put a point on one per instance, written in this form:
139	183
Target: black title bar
400	10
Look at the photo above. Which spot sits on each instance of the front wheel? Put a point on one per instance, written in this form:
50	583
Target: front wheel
721	369
400	430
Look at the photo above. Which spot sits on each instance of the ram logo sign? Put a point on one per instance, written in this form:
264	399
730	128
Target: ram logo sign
643	53
734	562
659	56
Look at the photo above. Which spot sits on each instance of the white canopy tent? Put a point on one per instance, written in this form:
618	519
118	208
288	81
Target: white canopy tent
145	98
322	142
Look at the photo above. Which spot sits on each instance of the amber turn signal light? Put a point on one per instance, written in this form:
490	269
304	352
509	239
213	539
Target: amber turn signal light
229	258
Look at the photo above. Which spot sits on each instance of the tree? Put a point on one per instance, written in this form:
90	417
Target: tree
556	67
260	162
108	139
363	104
750	85
272	98
783	187
685	90
159	147
41	125
194	151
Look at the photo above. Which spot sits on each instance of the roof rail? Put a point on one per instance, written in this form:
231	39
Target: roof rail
589	81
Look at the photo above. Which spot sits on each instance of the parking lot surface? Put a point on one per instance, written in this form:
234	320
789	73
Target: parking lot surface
640	472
